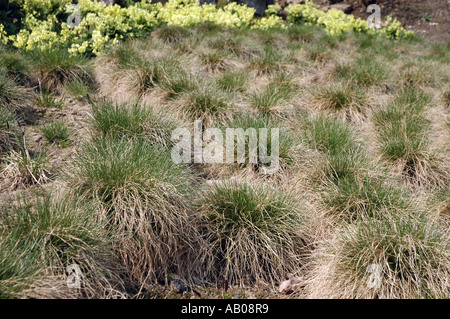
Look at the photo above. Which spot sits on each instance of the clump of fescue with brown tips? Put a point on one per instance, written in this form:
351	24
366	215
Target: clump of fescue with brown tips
403	134
205	103
143	196
267	61
12	95
214	61
21	166
255	232
170	34
125	74
55	68
131	120
343	99
398	256
41	237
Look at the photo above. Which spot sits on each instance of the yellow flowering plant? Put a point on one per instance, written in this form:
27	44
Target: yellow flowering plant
337	22
45	22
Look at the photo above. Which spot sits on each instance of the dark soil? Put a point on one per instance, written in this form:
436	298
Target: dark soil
430	18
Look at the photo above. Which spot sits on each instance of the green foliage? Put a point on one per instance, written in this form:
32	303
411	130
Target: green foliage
142	195
255	231
336	22
12	95
233	81
48	100
412	251
55	68
134	120
271	97
247	122
365	71
42	238
205	103
56	132
44	23
336	140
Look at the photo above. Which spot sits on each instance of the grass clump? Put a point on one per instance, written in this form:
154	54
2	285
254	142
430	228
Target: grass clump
255	232
302	33
270	100
206	104
336	141
411	254
344	99
363	196
8	123
317	52
48	235
56	132
214	61
403	138
47	100
23	167
15	65
365	72
259	146
56	68
232	44
171	34
266	61
178	81
79	90
143	195
134	120
12	95
233	81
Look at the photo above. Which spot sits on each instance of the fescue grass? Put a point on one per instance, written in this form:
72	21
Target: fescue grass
362	174
417	74
8	123
336	141
302	33
214	61
365	71
403	138
55	68
343	99
232	44
255	232
15	65
21	166
47	99
12	95
143	195
134	120
170	34
284	143
363	196
149	73
57	132
270	100
317	52
178	81
79	90
233	81
39	239
411	252
206	104
266	61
